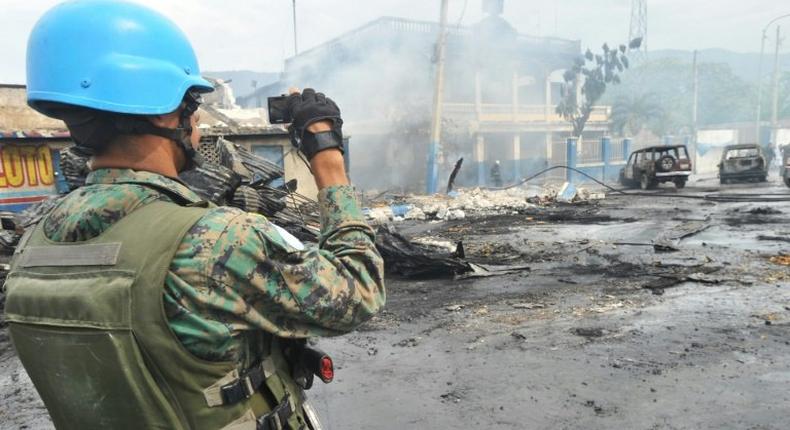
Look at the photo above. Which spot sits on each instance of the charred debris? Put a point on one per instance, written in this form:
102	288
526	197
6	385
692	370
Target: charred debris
245	180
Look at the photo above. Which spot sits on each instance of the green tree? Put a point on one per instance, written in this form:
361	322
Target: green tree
723	96
632	113
783	111
596	71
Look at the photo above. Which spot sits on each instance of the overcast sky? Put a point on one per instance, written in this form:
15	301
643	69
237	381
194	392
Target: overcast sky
257	34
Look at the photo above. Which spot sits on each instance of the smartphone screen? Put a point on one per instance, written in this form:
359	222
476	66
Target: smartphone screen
278	110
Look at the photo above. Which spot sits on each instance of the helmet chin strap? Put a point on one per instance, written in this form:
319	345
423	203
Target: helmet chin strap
181	135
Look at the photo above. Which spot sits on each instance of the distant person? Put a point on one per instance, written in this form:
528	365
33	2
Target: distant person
134	304
770	155
496	174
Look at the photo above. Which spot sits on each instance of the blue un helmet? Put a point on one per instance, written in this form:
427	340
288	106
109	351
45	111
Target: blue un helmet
112	56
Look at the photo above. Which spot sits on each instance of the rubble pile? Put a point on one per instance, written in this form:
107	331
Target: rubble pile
474	203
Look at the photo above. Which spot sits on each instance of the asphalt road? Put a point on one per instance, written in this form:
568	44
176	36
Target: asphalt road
604	331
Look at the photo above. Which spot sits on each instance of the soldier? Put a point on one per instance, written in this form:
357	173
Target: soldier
135	305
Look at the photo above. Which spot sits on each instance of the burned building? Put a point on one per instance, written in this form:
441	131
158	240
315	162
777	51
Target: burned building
501	89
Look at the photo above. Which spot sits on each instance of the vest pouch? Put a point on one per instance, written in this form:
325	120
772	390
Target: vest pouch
76	340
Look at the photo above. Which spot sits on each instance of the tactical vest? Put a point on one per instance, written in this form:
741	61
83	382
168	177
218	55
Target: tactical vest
88	323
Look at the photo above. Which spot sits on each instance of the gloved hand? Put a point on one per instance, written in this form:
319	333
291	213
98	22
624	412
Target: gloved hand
308	108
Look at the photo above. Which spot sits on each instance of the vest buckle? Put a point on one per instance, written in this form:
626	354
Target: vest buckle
244	387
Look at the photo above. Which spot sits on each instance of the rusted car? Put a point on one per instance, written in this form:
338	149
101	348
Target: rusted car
744	162
651	166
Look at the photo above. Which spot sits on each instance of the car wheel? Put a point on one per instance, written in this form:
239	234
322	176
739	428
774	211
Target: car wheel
665	163
680	183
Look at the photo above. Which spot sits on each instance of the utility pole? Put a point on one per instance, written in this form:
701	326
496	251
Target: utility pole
695	92
775	106
638	28
758	121
760	78
438	96
296	46
694	104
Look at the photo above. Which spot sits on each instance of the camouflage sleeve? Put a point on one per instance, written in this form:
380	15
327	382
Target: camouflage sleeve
267	283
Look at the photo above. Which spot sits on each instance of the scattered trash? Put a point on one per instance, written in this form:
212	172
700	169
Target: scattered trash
589	331
400	210
426	258
699	274
453	396
607	308
416	214
782	260
567	193
410	342
528	305
773	238
413	260
664	247
764	210
479	271
658	247
472	203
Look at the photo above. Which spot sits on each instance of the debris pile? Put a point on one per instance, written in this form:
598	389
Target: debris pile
473	203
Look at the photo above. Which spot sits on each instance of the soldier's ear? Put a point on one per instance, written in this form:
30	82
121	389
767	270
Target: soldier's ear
169	120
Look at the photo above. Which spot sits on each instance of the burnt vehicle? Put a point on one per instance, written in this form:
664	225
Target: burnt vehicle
744	162
653	165
785	169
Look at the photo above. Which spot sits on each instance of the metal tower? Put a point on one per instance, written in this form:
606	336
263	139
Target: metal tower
638	26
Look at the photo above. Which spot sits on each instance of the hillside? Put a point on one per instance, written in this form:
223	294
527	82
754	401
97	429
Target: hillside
744	65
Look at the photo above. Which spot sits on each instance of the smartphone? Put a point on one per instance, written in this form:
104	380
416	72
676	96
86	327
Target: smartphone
278	110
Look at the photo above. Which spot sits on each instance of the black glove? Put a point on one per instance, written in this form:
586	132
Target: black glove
310	107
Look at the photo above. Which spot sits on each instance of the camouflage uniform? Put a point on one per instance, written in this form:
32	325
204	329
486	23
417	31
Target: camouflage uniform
234	272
